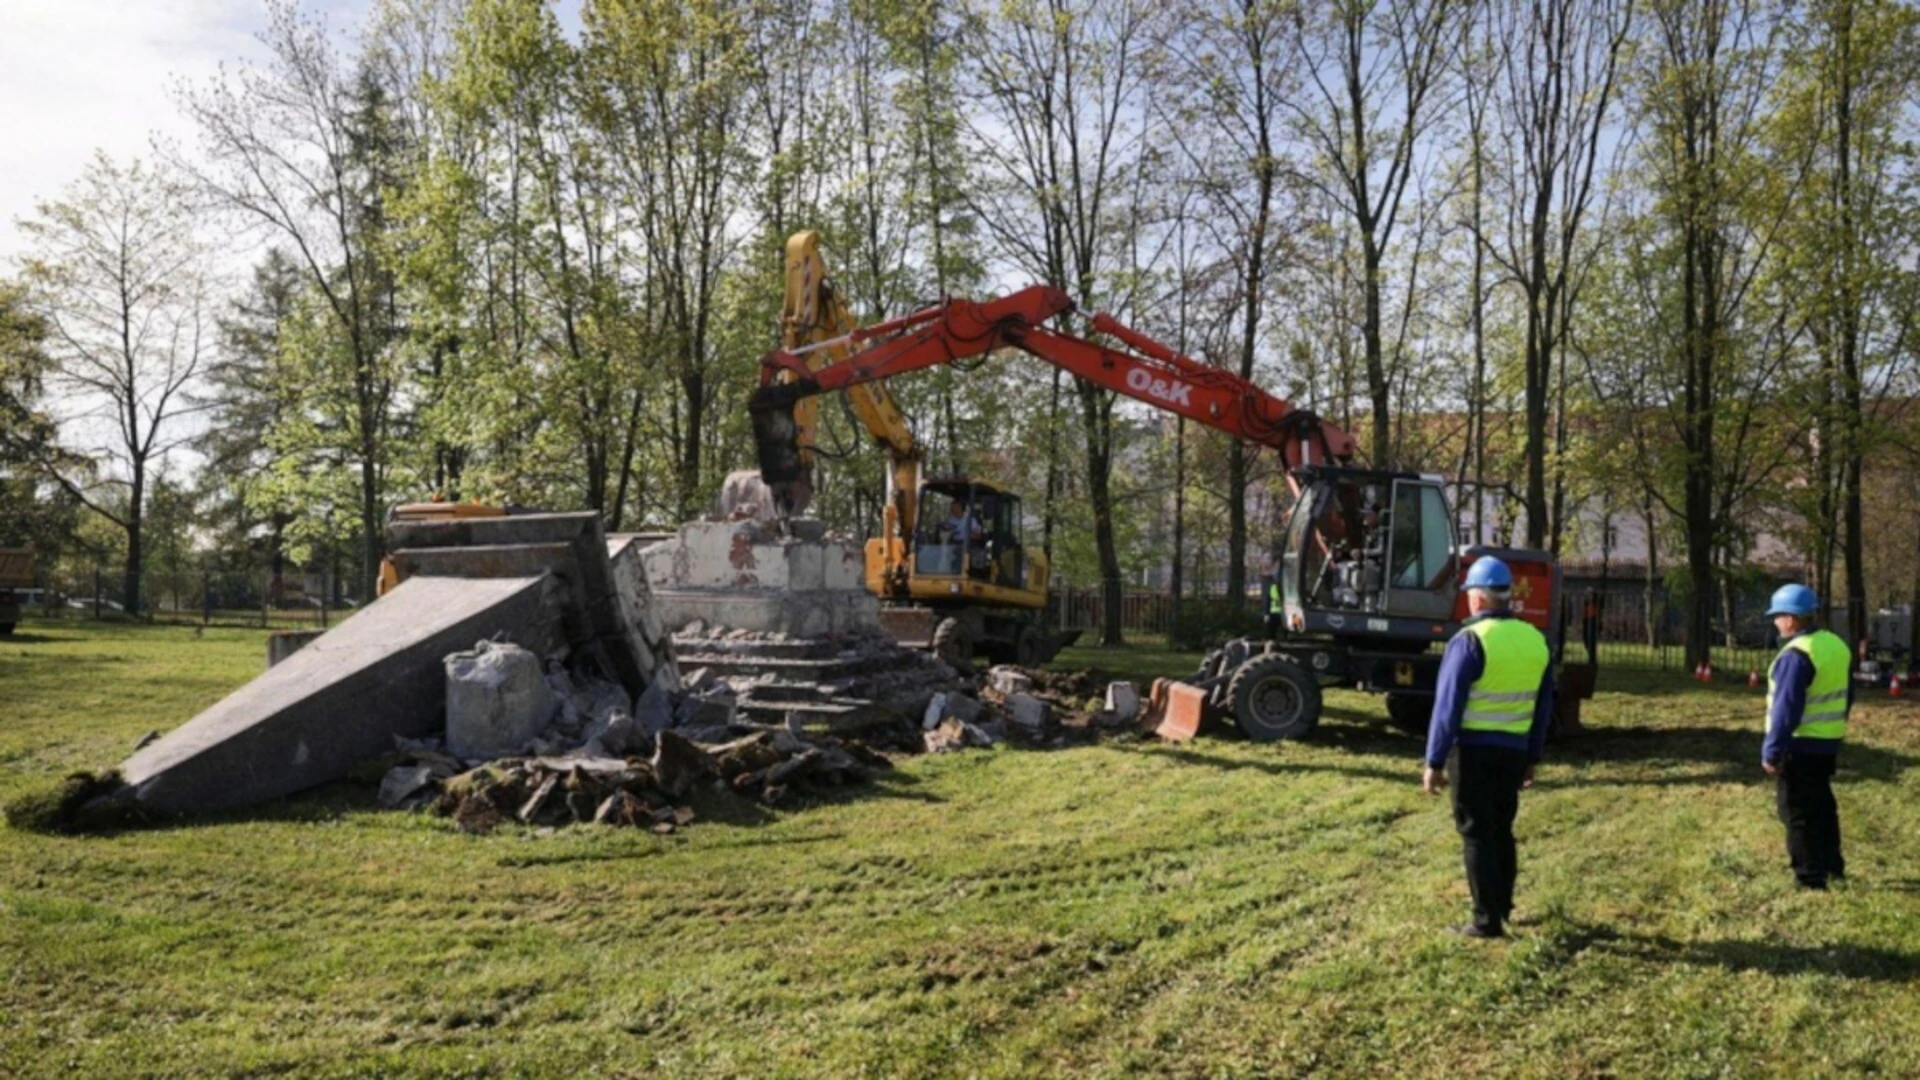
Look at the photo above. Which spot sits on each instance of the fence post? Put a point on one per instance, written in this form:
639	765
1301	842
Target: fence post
96	594
206	595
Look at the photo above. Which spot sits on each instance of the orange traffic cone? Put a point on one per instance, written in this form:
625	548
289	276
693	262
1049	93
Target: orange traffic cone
1697	669
1895	688
1753	676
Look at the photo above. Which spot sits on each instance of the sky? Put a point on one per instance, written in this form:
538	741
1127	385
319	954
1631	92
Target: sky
83	75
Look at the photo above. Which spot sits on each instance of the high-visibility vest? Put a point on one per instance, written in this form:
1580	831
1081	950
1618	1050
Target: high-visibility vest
1274	604
1503	698
1825	716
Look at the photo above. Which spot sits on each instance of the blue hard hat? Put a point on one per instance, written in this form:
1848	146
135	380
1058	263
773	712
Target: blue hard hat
1488	572
1793	600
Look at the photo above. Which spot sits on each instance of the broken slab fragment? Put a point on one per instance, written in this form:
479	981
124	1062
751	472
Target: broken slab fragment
341	699
497	700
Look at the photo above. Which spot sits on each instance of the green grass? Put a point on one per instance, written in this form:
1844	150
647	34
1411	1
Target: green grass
1214	909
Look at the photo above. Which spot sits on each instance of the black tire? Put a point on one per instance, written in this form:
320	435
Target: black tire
1271	698
6	629
1410	712
1028	648
953	644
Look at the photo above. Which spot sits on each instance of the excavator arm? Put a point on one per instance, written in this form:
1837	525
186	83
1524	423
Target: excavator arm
1145	370
816	325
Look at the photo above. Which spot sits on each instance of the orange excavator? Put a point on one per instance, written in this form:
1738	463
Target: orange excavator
1369	574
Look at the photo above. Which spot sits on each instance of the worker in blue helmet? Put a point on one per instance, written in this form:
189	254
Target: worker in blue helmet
1490	712
1809	692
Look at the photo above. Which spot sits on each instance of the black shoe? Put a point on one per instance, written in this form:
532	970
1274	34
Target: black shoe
1475	930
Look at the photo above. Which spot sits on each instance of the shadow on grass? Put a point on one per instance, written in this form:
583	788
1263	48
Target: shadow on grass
1844	960
18	638
1734	753
1277	765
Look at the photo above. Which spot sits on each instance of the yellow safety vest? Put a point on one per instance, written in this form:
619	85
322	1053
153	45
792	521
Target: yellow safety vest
1825	716
1504	696
1274	605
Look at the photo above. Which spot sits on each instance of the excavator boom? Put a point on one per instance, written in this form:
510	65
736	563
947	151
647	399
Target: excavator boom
1147	371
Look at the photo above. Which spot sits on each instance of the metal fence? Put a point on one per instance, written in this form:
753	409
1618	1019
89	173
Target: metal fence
1625	629
235	599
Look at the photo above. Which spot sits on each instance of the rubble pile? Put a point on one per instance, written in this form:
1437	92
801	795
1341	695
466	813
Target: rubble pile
759	715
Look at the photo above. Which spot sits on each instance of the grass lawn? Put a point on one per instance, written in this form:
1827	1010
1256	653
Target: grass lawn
1214	909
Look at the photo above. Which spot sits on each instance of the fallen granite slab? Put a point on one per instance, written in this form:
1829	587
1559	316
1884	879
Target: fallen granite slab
343	698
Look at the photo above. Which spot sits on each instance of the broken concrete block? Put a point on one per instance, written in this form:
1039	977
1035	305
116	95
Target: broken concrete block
954	734
964	708
717	710
654	711
1027	711
1009	680
1123	700
403	782
497	700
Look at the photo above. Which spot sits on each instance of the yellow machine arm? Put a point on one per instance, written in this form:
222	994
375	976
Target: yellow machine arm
815	324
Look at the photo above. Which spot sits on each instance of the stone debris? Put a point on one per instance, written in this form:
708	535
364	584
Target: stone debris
1007	680
497	699
758	715
1028	711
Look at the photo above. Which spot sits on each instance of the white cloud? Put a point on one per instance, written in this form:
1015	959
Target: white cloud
80	75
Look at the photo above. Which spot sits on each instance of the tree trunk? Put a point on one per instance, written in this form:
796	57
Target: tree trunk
694	387
136	555
1378	386
372	542
1099	432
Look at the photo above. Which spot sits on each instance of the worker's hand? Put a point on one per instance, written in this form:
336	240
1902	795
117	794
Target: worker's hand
1772	769
1527	780
1432	780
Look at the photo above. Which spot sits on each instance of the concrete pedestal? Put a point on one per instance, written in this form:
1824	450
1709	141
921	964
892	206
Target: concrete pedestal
741	575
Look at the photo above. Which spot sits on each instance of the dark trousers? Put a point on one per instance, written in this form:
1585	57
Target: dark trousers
1486	796
1803	794
1273	626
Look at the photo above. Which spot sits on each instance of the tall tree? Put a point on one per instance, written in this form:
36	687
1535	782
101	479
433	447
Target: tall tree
1559	64
670	77
305	149
1236	57
1062	88
1848	91
1376	79
120	280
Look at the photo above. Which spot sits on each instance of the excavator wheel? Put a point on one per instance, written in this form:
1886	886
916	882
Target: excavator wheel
1271	698
953	644
1029	649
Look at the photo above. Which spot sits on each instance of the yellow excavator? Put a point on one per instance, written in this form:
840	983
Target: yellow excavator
949	566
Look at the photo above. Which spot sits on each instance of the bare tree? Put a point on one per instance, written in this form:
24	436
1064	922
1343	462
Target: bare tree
1234	58
1375	72
1062	87
1559	64
119	279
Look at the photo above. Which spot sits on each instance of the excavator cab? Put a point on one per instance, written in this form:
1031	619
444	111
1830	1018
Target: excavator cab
969	531
1369	553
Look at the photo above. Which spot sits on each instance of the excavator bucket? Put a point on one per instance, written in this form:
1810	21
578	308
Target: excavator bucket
1176	709
776	442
